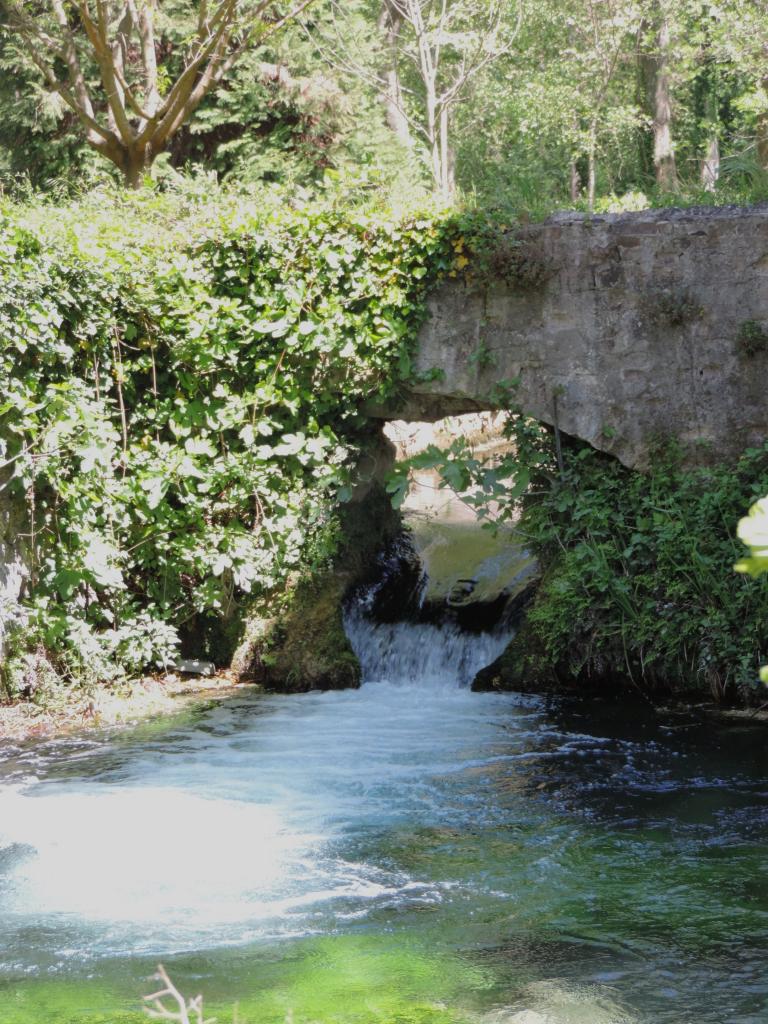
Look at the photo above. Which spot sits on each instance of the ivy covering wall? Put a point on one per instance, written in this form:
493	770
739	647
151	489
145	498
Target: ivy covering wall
181	396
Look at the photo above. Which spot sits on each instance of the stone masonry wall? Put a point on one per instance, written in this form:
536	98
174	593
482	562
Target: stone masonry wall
12	567
633	336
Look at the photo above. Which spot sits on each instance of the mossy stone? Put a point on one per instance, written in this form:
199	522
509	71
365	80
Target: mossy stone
296	642
521	667
305	648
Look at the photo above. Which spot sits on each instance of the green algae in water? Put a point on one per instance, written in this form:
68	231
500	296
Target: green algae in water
364	980
510	861
340	979
58	1001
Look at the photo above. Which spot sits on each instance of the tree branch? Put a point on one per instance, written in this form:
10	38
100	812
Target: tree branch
76	76
218	64
184	1007
96	134
146	23
182	87
105	58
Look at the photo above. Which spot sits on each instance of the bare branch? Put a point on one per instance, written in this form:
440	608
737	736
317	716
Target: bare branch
182	88
105	57
69	50
131	101
146	23
435	25
157	1009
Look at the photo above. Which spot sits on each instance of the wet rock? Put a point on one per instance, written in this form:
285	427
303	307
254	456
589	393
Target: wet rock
303	648
295	641
521	667
391	591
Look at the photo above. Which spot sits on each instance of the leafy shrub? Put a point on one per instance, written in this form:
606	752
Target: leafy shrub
752	338
638	577
490	247
181	417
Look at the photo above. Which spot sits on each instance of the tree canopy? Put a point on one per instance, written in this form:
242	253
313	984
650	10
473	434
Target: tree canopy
102	60
580	100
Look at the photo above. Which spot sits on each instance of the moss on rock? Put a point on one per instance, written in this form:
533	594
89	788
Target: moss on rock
523	665
305	647
297	642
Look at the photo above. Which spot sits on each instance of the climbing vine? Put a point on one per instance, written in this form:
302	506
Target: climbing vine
181	420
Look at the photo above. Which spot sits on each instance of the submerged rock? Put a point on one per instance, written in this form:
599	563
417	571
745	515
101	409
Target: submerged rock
560	1002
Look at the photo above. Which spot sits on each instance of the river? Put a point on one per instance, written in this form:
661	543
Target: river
409	852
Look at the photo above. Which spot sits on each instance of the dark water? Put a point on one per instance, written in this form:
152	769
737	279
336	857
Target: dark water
410	852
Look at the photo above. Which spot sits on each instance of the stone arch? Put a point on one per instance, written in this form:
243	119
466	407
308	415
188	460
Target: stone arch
633	335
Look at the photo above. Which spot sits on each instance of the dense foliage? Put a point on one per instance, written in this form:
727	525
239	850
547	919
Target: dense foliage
637	572
637	580
180	418
579	101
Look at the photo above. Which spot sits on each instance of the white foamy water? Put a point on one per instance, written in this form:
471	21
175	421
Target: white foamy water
239	829
426	656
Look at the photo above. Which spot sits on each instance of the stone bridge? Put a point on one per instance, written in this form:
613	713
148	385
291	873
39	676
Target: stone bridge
648	325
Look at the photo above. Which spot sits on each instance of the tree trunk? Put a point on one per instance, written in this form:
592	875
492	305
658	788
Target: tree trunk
437	169
433	140
658	87
762	131
390	23
575	181
134	165
447	179
134	176
591	166
710	167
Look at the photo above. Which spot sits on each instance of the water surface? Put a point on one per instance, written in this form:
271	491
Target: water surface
407	852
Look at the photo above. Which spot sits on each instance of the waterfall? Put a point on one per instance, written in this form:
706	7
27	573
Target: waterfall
422	654
440	605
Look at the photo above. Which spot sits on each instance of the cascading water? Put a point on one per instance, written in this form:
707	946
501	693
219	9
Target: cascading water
408	852
420	654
